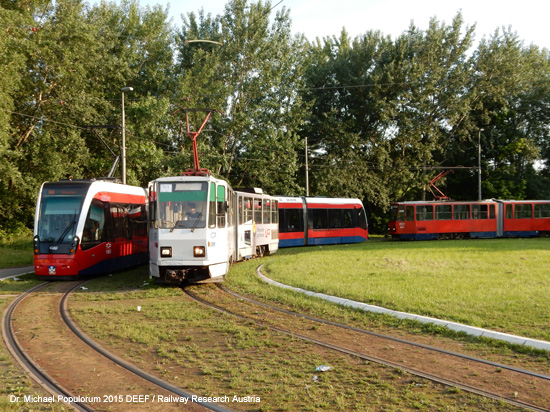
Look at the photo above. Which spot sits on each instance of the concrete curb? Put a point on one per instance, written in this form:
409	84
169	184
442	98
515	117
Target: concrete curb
458	327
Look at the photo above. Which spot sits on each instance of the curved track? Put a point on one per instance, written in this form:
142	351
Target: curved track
25	361
507	384
43	376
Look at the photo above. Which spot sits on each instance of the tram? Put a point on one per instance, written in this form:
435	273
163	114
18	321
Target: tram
89	227
424	220
199	225
321	221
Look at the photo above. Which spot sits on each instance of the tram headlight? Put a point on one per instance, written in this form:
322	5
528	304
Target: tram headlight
166	251
74	244
36	245
199	251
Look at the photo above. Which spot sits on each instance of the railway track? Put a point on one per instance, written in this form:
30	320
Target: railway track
118	379
521	388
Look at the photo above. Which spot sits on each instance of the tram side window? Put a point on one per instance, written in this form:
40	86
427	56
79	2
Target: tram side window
137	217
266	211
274	211
293	220
230	208
409	213
248	209
119	214
509	212
362	218
348	217
425	212
443	212
523	211
221	206
480	212
93	233
335	218
257	210
461	212
542	211
212	206
319	218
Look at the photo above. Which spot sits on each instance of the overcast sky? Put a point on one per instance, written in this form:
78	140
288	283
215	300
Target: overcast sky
319	18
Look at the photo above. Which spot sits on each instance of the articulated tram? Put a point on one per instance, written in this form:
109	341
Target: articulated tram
89	227
199	225
490	218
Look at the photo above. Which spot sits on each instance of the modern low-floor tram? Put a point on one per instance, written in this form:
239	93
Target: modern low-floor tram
307	221
89	227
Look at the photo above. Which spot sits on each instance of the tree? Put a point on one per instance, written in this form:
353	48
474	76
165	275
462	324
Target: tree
252	79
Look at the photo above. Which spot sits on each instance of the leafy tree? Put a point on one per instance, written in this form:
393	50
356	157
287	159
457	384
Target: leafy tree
252	79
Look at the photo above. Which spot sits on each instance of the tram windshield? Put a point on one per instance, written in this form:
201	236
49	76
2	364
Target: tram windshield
182	205
58	217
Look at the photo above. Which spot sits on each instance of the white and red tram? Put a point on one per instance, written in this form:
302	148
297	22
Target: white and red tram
89	227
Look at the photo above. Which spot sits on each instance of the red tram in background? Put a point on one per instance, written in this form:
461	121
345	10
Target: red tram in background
424	220
321	221
89	227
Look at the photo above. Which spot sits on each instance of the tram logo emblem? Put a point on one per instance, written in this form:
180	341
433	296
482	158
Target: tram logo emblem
108	248
51	270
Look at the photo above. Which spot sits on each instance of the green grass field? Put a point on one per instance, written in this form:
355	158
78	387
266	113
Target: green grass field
500	284
16	252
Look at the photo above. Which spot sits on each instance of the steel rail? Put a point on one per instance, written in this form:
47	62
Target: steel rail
32	369
369	358
388	337
63	308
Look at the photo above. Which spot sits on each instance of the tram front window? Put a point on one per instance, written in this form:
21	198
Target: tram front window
58	218
182	205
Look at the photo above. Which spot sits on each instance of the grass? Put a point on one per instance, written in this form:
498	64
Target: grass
16	253
215	354
492	282
500	284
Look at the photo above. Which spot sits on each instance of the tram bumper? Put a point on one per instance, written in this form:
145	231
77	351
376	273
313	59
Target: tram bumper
203	273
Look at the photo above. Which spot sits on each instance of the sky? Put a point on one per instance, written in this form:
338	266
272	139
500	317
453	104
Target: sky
320	18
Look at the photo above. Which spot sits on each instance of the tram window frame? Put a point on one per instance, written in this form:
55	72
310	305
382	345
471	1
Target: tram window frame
318	219
93	235
361	219
335	218
424	213
409	213
274	211
523	211
257	210
461	212
221	206
509	211
443	212
248	209
542	210
212	206
480	212
266	211
347	218
293	220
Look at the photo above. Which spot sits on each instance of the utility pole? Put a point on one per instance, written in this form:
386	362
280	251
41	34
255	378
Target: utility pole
307	172
479	163
124	89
